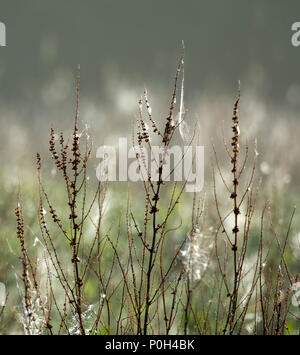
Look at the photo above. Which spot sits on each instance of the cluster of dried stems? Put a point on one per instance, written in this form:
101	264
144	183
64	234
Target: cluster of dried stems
267	297
196	288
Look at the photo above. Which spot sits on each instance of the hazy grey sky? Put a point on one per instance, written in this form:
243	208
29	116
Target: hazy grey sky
225	40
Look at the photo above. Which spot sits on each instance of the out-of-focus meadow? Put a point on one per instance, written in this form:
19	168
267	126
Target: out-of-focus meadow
123	47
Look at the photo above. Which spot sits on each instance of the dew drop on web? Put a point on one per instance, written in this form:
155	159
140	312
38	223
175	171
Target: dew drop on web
2	294
184	131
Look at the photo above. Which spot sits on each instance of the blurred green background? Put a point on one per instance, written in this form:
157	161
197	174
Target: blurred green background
124	45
